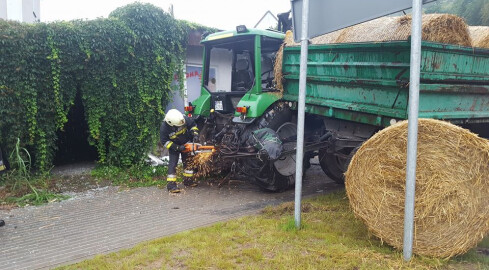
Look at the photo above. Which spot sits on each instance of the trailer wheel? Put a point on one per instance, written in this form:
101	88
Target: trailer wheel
334	165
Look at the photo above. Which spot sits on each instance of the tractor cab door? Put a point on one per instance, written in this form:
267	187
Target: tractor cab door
229	72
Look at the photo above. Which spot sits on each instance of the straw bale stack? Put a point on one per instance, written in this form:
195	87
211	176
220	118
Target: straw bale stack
480	36
452	187
327	38
277	66
443	28
278	78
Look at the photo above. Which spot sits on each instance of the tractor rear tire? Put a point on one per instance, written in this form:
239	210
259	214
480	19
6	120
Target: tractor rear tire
266	175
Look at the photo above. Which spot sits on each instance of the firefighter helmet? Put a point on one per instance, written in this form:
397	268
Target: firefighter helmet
174	118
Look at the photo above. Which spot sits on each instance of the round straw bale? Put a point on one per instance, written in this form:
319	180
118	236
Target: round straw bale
446	28
452	187
480	36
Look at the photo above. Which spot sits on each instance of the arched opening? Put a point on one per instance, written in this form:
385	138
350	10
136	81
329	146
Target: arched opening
72	143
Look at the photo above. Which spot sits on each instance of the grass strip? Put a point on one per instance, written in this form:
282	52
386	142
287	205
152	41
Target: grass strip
331	238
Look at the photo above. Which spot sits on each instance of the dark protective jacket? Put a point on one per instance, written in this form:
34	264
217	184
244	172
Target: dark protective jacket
173	137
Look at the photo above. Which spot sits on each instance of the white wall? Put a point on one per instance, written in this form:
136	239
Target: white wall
192	90
193	62
3	9
14	10
20	10
31	11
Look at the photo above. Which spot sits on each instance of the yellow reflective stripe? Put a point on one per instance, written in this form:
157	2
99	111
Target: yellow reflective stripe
168	144
171	178
182	131
220	36
188	174
2	167
195	128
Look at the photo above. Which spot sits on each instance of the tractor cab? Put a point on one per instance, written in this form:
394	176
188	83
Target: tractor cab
237	64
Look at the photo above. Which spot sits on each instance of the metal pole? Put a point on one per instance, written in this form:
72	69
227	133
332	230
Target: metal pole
412	129
301	113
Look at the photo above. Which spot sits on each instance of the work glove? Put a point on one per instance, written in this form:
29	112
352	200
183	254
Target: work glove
180	148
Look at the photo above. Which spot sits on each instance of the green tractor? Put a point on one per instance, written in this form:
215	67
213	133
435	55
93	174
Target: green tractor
237	98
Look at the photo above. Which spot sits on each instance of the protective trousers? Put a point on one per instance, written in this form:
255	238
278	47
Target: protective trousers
172	167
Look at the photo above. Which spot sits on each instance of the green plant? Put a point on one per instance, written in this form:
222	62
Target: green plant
475	12
134	176
289	226
21	180
37	198
20	165
121	66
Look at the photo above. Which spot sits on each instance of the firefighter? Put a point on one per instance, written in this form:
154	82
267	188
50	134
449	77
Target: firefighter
175	131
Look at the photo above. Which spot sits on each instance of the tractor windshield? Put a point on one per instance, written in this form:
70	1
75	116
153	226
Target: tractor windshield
230	65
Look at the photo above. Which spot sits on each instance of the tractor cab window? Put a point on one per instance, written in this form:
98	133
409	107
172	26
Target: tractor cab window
267	74
243	75
229	65
218	71
270	46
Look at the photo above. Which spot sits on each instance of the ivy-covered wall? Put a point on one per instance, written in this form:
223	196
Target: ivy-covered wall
121	66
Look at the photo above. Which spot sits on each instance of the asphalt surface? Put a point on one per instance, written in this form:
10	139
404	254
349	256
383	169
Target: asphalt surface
107	219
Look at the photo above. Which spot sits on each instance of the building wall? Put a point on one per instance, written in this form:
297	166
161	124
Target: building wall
31	11
193	64
193	74
20	10
194	55
3	9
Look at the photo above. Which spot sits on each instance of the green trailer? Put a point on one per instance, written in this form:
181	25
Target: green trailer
353	91
369	82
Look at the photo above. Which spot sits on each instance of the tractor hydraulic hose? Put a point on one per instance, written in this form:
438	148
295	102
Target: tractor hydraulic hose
326	136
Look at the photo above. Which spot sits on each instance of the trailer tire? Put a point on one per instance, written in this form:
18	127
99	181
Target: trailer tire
334	166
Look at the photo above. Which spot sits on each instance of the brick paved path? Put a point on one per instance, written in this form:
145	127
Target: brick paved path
106	220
